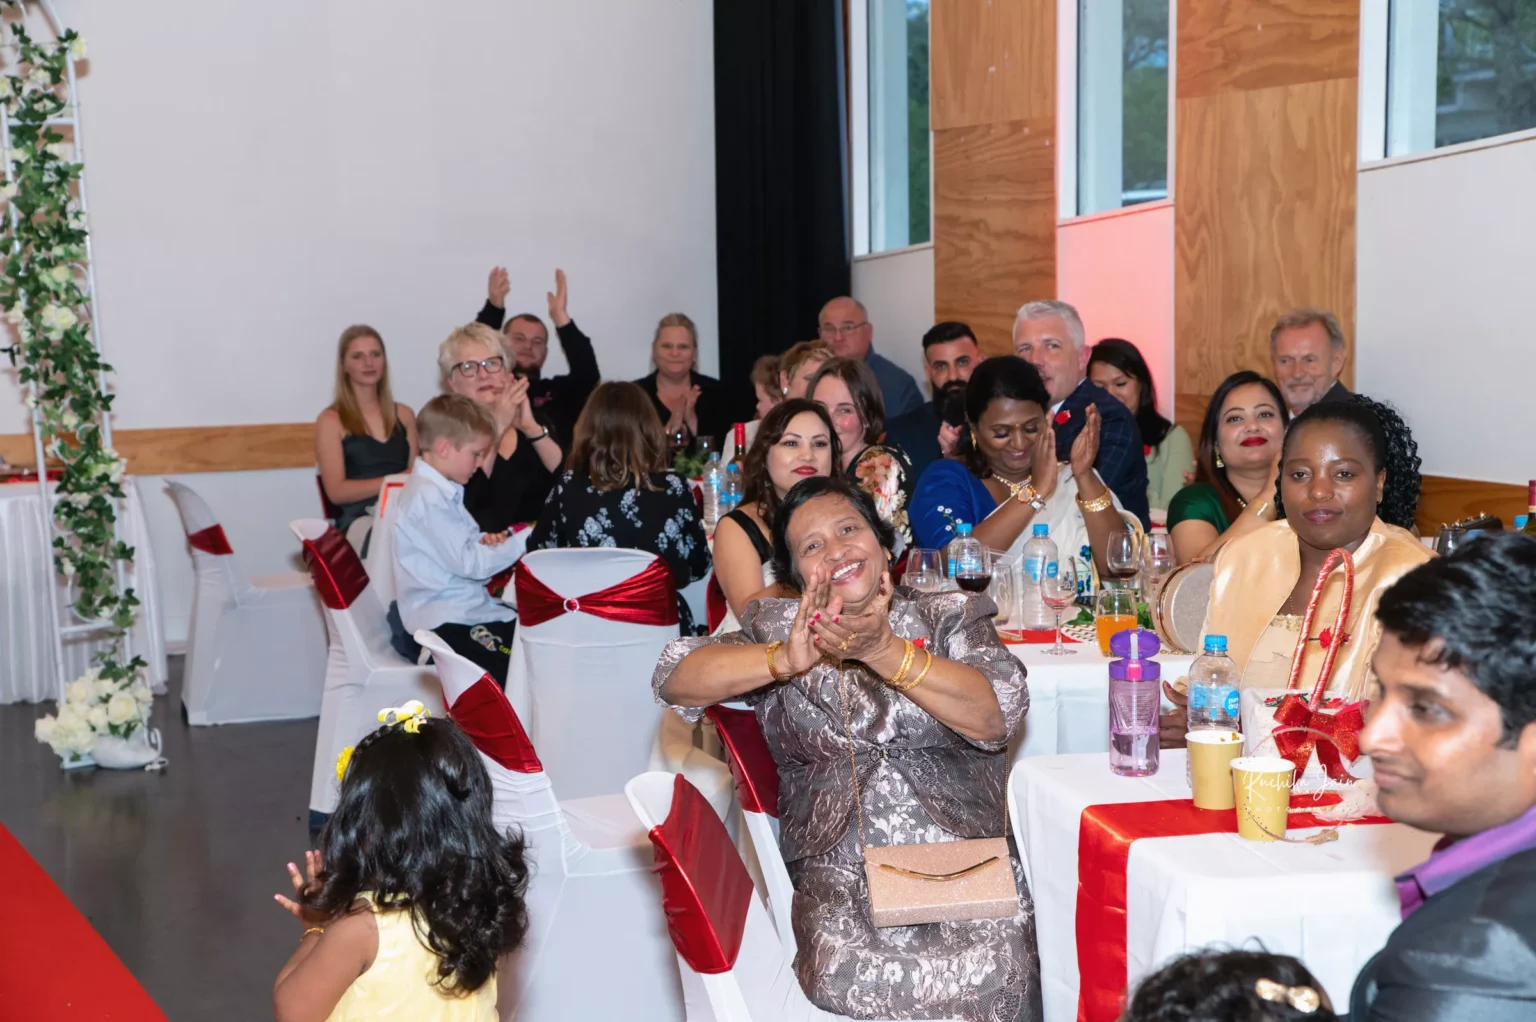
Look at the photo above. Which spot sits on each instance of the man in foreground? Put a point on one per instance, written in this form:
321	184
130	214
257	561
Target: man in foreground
930	431
1453	742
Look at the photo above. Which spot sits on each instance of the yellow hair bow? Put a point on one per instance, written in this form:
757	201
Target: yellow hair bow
408	716
342	761
1303	998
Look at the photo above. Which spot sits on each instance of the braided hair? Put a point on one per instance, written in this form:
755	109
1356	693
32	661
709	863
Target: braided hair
1392	448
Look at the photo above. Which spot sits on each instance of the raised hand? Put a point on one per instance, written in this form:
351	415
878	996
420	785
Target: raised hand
497	287
307	883
1085	449
949	439
557	300
861	636
1042	463
801	651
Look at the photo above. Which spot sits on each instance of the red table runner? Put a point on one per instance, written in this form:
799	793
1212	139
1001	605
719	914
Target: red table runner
1023	638
1104	840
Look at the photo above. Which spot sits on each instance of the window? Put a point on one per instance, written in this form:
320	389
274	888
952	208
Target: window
898	188
1122	103
1458	71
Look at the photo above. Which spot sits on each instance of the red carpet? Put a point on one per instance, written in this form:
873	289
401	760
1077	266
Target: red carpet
53	965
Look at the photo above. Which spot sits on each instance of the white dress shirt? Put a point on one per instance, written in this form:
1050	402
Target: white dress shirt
441	566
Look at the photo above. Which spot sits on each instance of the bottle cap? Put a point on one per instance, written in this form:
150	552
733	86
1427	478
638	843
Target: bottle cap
1520	521
1042	529
1135	670
1134	644
733	467
962	528
1215	643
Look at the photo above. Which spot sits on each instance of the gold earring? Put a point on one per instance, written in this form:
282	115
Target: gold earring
1219	462
973	438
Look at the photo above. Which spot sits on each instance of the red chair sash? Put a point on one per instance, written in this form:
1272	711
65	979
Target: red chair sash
647	598
705	890
485	716
337	571
751	762
715	605
327	506
210	541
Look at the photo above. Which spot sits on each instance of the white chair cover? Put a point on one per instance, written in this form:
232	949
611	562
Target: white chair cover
256	646
363	676
761	985
596	946
381	548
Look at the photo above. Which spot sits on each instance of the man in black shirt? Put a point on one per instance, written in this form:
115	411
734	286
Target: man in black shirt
557	400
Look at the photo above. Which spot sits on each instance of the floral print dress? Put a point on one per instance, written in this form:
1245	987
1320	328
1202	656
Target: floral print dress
920	782
662	519
885	473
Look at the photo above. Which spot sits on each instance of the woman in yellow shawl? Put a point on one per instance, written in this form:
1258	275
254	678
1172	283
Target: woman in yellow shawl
1344	468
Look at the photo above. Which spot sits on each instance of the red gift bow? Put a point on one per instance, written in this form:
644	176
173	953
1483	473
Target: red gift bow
1105	835
1298	729
647	598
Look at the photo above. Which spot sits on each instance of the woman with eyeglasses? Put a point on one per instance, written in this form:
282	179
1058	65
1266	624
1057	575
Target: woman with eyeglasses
519	471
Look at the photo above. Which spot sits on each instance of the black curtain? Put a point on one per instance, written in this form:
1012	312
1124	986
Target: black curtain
781	209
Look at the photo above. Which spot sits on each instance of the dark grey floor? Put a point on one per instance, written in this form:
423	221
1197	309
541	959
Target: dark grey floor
176	870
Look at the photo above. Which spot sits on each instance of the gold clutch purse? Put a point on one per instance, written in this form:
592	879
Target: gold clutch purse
941	882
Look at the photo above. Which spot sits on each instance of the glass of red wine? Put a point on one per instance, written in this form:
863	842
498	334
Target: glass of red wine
976	579
1122	556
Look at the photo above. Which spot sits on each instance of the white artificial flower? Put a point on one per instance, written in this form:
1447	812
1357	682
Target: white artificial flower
77	738
18	155
40	77
61	150
7	89
119	469
98	718
67	568
142	694
122	708
72	715
77	49
8	191
28	398
44	728
79	691
69	420
56	319
103	688
61	274
14	315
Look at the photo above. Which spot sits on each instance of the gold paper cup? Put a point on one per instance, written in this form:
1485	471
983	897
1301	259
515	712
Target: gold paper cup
1210	767
1262	787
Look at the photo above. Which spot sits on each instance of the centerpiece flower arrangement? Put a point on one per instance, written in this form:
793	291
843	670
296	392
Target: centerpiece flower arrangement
97	715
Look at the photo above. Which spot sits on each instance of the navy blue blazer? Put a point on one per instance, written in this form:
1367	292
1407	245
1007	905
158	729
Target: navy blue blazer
1121	463
917	433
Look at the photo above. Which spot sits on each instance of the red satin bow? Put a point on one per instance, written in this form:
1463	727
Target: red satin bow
648	598
1331	735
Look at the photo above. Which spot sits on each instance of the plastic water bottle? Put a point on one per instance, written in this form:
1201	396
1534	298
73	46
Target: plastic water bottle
1038	561
1135	685
1213	696
732	488
714	486
968	561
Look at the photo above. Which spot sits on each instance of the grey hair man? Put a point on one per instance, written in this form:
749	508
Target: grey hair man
1307	348
1049	335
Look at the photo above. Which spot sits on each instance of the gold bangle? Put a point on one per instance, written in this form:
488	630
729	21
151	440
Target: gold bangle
927	665
773	670
1259	509
896	679
312	929
1100	503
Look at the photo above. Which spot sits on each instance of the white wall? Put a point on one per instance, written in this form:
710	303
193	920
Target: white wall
1444	303
262	176
897	289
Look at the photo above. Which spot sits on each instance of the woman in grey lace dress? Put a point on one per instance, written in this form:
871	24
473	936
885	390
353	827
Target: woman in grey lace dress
931	765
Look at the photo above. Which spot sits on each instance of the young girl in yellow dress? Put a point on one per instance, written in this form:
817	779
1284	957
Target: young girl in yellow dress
415	893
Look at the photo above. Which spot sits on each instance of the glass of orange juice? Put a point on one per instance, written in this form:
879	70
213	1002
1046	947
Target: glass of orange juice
1114	611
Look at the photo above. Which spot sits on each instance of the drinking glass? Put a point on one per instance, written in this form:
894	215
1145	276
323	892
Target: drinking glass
677	443
1121	556
1114	611
1058	592
1004	588
925	570
1157	562
705	445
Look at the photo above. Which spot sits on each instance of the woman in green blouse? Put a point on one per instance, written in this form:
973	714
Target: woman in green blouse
1117	366
1236	469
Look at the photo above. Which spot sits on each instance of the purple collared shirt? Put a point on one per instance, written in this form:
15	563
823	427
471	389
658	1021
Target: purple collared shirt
1452	860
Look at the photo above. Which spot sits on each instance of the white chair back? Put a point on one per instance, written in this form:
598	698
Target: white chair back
212	556
381	547
586	681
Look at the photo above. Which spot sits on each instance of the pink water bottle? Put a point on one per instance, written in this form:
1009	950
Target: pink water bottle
1135	684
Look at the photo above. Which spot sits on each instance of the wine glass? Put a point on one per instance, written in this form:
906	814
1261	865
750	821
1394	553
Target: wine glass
1121	555
1003	587
1157	562
705	446
1058	591
925	571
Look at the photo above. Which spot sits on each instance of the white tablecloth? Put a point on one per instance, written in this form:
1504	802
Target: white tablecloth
27	580
1184	893
1069	699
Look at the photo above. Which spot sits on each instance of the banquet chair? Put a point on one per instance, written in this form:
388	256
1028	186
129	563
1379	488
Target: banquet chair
591	625
381	548
256	645
596	947
757	793
363	674
734	967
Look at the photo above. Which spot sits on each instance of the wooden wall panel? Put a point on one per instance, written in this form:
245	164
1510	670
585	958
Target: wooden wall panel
991	62
1233	45
1443	499
993	112
1264	220
994	221
197	448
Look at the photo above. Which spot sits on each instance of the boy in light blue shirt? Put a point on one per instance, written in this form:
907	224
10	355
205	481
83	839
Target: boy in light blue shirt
442	559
